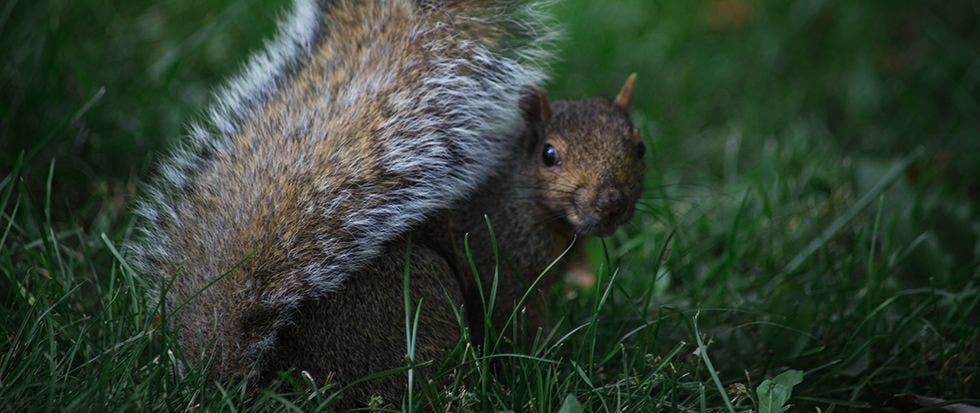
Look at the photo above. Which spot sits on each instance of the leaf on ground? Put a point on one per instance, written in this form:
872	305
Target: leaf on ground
774	393
571	405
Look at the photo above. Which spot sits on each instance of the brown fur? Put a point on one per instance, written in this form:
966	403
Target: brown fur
535	211
361	329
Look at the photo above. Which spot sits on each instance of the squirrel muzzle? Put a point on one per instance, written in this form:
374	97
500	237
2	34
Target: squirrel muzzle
599	210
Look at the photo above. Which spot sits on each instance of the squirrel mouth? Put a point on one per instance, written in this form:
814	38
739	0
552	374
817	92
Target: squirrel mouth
600	229
597	225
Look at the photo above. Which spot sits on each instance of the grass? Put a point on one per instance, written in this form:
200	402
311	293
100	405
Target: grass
811	205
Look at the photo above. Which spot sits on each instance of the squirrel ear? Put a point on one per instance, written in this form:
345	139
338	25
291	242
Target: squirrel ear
626	93
534	105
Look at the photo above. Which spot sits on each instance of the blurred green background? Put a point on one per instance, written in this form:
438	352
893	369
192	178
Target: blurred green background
104	86
814	173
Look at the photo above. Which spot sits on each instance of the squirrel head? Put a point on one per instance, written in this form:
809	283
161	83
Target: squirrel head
587	158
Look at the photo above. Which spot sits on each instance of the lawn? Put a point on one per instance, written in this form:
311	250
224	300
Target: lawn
811	206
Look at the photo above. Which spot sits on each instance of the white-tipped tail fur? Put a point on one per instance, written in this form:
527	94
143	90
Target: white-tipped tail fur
358	121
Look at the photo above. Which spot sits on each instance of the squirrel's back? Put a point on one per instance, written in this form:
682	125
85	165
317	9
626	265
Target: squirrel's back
361	119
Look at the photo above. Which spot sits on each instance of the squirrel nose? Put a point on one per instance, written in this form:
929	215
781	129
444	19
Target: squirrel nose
608	201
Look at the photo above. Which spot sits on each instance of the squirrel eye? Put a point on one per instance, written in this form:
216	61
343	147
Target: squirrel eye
549	155
641	149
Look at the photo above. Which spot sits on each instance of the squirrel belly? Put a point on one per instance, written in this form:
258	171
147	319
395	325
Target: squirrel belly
359	121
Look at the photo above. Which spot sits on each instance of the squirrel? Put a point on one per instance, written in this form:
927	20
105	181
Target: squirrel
577	170
580	174
360	120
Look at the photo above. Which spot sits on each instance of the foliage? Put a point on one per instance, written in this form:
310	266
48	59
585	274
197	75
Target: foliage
774	393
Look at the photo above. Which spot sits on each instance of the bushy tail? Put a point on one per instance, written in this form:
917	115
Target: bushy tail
355	124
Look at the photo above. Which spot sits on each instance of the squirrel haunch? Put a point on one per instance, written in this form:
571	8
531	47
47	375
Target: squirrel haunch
351	127
535	208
